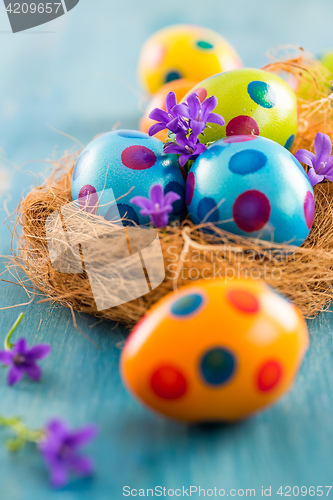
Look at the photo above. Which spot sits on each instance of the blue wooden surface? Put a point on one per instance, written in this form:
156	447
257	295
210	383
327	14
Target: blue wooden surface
78	76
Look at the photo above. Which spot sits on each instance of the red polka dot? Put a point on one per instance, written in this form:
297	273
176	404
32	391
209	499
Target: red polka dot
138	157
88	199
243	301
309	209
269	376
239	138
168	382
242	125
202	94
189	189
251	211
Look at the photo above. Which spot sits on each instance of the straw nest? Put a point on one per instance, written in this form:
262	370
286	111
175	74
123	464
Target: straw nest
302	274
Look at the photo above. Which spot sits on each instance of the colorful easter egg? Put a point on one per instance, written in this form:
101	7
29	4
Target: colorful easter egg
327	60
215	351
119	165
184	51
252	102
251	186
180	88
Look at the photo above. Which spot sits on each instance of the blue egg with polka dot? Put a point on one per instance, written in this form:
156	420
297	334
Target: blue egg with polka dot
251	186
119	165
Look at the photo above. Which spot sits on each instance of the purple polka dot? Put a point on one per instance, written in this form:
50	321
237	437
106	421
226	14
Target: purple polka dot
239	138
138	157
189	189
309	209
207	206
251	211
88	199
179	205
81	164
242	125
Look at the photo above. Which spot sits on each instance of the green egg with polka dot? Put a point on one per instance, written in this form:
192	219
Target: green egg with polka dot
252	102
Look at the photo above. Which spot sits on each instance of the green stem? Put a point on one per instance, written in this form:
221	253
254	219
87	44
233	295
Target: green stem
22	433
8	346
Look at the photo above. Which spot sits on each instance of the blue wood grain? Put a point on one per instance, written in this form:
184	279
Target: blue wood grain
80	78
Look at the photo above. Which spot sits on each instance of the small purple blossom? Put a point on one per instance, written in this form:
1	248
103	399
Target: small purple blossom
199	114
22	360
158	206
189	148
320	162
60	448
167	119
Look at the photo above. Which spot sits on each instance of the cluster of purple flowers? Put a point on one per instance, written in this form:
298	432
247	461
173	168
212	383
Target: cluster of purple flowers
186	121
320	162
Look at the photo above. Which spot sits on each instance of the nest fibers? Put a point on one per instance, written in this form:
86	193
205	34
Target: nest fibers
302	274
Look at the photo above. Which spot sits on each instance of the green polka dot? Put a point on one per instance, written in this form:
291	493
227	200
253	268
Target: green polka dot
204	45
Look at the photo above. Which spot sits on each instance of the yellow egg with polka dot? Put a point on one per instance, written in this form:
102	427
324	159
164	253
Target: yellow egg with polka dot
184	51
252	102
215	351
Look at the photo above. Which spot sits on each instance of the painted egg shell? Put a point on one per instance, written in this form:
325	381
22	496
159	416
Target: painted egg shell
215	351
122	164
184	51
252	102
327	60
180	88
251	186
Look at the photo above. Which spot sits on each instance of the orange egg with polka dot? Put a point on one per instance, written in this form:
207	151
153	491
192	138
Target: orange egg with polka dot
184	51
215	351
180	88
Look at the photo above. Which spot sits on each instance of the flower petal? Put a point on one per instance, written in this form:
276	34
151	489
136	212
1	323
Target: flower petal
207	106
200	148
160	219
323	146
304	156
157	127
34	372
194	105
6	357
327	170
82	436
171	197
59	475
141	202
181	110
20	347
170	101
314	178
14	376
38	352
172	148
159	115
197	127
182	140
156	194
83	466
215	118
183	160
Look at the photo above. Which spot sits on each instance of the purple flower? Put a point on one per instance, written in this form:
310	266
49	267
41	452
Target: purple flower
157	206
60	449
320	163
22	360
189	148
199	114
167	119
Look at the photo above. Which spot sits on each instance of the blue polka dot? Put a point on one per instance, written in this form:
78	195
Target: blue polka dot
247	161
172	75
187	305
122	210
290	142
215	150
217	366
262	93
179	205
207	205
132	134
81	164
202	44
